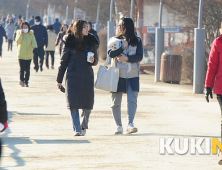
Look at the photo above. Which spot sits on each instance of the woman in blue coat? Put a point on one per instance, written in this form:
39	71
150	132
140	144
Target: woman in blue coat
80	76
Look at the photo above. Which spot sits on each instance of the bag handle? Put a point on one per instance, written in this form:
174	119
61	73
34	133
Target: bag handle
113	62
107	61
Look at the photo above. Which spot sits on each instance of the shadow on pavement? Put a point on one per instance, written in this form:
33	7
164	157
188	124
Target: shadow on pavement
27	114
12	142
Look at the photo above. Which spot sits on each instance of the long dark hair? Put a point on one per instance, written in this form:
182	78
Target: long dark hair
80	40
69	28
61	28
128	31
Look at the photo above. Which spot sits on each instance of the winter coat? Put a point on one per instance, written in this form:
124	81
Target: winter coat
51	41
56	26
10	28
214	71
92	31
26	43
2	34
17	27
128	71
59	39
3	106
41	35
80	76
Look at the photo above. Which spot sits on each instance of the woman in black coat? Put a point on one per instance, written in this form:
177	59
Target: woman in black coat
3	114
80	76
59	39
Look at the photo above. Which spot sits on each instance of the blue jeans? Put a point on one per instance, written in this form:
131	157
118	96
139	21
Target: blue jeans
84	119
131	105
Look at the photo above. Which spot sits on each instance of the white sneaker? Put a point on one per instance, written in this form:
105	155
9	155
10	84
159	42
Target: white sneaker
77	134
131	128
119	130
83	132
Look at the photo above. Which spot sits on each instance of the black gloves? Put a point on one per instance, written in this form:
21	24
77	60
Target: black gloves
35	51
208	91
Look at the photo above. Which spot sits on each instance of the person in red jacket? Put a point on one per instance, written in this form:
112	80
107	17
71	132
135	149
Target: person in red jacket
214	74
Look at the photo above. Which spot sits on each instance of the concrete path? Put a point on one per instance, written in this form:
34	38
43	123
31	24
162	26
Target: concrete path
40	133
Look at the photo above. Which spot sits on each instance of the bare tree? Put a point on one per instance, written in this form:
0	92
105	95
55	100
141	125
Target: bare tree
188	11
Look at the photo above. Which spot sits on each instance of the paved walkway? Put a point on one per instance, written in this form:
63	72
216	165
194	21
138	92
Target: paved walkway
40	132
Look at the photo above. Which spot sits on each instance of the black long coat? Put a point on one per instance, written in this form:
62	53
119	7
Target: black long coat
79	76
3	106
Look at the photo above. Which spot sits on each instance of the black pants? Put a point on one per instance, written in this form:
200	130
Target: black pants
10	42
219	98
24	70
1	48
52	54
40	56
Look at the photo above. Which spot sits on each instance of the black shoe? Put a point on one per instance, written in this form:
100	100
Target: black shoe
47	67
41	69
26	84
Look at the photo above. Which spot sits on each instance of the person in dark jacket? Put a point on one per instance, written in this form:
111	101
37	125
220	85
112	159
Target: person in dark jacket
3	114
41	37
128	55
31	21
2	34
80	76
59	39
57	26
18	22
92	31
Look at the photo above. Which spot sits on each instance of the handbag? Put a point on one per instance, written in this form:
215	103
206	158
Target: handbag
107	78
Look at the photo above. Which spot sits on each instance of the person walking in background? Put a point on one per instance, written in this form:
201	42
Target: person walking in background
14	18
3	114
18	22
80	76
128	57
92	31
31	21
59	39
8	19
3	21
23	19
2	34
26	46
17	27
51	47
41	37
57	26
10	28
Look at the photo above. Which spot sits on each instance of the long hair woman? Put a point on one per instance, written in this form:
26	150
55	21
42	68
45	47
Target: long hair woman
59	39
26	46
128	57
80	76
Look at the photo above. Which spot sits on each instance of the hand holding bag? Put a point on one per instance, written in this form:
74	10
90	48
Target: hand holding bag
107	78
